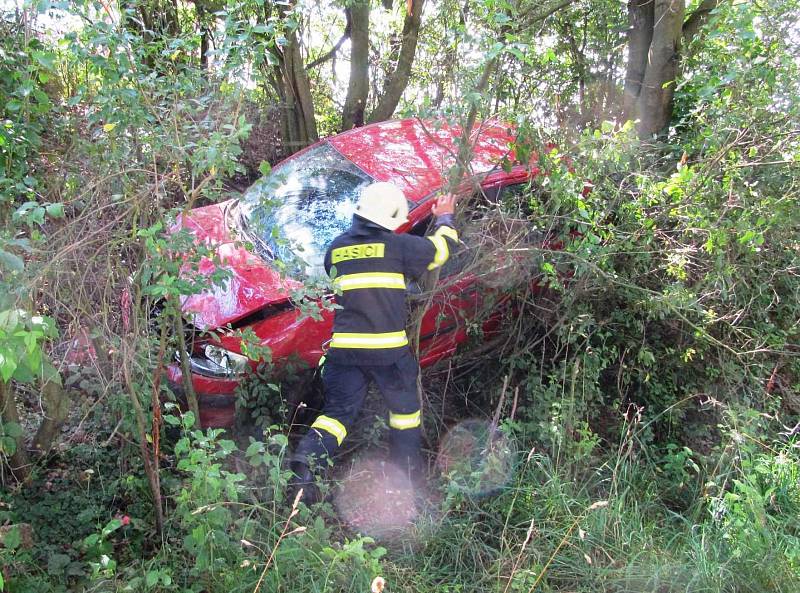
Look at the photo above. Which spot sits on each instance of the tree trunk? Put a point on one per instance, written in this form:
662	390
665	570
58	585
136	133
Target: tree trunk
155	21
299	122
205	34
698	19
287	74
658	88
186	372
19	460
299	93
172	25
56	408
150	462
450	62
653	59
397	81
358	88
640	15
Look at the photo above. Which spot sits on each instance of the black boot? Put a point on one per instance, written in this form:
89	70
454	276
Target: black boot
411	465
303	479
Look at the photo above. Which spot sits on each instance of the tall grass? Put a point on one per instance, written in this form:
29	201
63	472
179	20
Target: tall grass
611	528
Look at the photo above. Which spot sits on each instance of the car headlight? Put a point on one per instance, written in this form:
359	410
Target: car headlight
218	362
233	363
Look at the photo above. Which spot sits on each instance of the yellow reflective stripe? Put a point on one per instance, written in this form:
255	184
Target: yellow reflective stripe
372	341
370	280
442	251
447	231
331	426
357	252
405	421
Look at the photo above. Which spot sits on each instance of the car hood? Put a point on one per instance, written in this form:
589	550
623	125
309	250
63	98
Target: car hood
253	283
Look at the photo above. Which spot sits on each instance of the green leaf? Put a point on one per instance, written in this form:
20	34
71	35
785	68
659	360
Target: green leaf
151	579
23	374
172	420
91	540
7	445
262	28
111	527
50	373
254	448
12	539
7	367
55	210
495	50
56	563
264	168
11	262
271	59
516	52
12	429
473	98
10	319
45	59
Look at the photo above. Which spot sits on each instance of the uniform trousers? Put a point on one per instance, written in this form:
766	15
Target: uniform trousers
345	386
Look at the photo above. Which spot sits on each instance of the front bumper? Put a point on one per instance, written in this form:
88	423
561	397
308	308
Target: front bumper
216	397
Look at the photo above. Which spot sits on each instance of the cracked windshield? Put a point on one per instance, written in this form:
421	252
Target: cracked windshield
294	213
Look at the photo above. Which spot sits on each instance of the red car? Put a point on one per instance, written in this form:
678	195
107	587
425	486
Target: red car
291	215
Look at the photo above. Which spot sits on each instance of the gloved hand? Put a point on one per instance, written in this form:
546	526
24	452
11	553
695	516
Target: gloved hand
445	204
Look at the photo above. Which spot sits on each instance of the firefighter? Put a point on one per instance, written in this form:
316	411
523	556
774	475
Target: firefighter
370	265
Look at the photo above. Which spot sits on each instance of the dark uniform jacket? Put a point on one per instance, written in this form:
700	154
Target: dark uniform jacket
370	265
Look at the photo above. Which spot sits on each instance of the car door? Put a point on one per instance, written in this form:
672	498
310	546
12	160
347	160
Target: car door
469	292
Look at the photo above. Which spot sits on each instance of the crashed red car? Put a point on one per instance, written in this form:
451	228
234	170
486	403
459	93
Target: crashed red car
275	237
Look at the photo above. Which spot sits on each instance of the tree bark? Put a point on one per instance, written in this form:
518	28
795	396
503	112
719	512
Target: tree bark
56	408
658	87
698	19
653	62
19	460
449	62
397	81
150	464
300	104
186	372
205	35
287	74
640	16
358	87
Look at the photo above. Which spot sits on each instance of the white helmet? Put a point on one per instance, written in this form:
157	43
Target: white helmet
384	204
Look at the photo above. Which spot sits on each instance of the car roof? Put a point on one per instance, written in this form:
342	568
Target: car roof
415	154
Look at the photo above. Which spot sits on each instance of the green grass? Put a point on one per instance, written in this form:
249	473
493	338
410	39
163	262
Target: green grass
606	523
609	529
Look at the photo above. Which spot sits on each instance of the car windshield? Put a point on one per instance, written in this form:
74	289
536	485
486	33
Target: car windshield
297	210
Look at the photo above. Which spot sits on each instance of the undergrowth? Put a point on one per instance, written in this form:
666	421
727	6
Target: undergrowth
643	386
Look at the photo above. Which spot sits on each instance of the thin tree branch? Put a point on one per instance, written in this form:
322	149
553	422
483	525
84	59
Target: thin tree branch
333	51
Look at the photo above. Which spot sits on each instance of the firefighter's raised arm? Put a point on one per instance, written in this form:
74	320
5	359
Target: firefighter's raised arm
433	251
445	204
445	236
